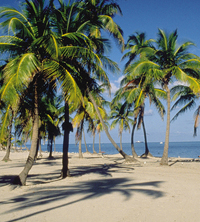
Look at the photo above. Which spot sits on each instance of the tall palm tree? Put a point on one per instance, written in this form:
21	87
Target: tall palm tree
95	52
30	45
175	62
168	63
137	86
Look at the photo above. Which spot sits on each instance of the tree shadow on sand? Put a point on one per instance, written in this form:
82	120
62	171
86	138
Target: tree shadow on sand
78	191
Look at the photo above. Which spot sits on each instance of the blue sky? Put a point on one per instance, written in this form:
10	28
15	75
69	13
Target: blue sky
147	16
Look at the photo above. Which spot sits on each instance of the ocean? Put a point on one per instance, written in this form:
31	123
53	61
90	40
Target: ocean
176	149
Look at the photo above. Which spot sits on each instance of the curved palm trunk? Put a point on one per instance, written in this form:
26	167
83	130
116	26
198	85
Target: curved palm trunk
21	179
99	142
147	153
132	139
7	155
85	141
164	159
67	127
121	141
94	151
106	129
80	147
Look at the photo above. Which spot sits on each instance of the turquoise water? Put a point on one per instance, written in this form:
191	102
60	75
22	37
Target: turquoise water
176	149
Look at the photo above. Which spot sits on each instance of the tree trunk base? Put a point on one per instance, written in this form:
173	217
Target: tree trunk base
40	156
164	164
80	155
65	174
51	158
145	155
130	160
6	159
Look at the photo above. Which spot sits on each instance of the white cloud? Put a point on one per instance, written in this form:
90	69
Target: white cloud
114	88
176	83
148	112
119	79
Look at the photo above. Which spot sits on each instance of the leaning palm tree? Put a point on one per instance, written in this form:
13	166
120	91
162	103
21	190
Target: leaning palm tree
30	46
103	20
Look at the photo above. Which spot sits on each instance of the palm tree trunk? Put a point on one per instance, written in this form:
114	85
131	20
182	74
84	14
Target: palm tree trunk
85	141
80	149
121	141
54	143
67	127
94	151
125	156
164	159
40	148
15	141
80	141
50	147
132	139
99	142
147	153
25	141
21	179
7	156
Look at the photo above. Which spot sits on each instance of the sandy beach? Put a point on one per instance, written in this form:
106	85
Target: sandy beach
101	190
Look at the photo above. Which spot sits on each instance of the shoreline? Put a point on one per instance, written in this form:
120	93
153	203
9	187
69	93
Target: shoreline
171	158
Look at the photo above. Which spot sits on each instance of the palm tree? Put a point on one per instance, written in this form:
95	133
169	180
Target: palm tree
136	90
82	114
103	20
98	16
121	115
171	62
137	45
175	62
29	47
95	48
9	128
138	85
184	96
73	50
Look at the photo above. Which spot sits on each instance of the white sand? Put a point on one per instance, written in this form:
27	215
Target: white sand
100	190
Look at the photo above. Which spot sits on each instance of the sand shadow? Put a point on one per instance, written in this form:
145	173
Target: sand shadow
41	196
